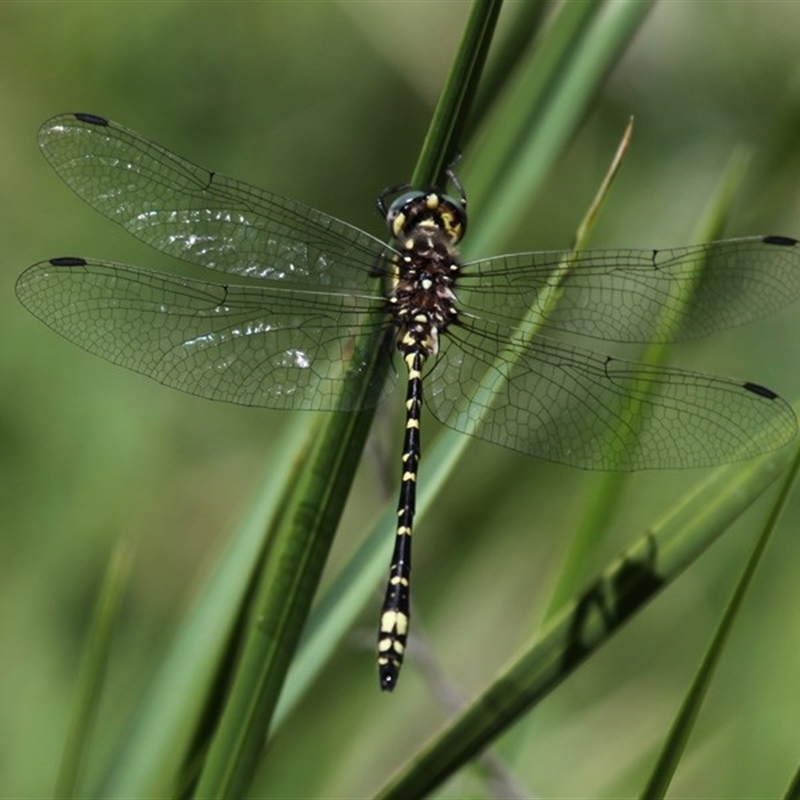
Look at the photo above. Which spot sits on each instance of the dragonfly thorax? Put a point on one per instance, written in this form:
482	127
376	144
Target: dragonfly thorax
422	299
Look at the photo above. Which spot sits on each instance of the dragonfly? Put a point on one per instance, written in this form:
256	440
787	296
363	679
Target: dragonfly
490	340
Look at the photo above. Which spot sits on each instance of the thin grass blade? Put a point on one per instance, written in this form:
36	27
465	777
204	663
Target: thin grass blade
679	733
92	674
152	757
348	595
306	526
606	492
542	109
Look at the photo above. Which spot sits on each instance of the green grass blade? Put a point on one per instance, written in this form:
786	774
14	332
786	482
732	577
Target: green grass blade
679	733
571	636
607	489
525	99
440	460
160	739
305	529
349	594
793	789
444	133
521	29
355	586
590	217
299	536
542	108
92	673
298	549
681	729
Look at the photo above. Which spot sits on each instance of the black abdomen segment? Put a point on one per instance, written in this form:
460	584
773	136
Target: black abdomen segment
395	613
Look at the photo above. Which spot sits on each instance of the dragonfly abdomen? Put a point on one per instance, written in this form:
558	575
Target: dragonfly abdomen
395	613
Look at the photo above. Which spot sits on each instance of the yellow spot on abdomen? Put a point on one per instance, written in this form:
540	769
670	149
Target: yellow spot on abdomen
394	622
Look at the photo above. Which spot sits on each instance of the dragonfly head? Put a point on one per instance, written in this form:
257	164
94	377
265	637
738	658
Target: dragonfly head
413	210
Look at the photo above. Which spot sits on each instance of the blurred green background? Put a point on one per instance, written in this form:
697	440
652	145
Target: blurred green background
327	102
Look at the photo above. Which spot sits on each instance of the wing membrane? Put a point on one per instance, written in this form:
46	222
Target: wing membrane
642	295
251	345
208	219
582	408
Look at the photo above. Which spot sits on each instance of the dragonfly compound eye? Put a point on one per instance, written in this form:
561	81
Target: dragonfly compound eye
414	210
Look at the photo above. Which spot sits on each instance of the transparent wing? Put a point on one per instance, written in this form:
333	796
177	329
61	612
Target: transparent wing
588	410
241	344
202	217
642	295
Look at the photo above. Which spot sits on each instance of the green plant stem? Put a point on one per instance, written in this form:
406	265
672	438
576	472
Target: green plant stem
683	725
580	629
302	534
